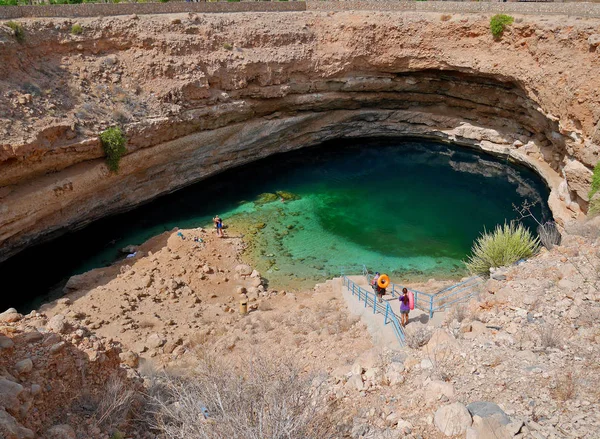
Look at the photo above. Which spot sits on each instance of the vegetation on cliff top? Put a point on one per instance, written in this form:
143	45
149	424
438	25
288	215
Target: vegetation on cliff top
594	208
498	22
113	142
17	29
504	246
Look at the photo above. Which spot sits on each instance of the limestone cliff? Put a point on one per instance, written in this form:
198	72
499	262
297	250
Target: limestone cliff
197	94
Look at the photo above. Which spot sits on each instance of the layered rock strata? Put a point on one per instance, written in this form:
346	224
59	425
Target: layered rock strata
197	94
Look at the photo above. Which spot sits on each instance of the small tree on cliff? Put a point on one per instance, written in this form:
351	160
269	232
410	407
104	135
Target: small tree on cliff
498	23
113	142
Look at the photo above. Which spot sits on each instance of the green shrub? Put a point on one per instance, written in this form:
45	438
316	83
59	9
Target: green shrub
594	208
227	46
76	29
113	142
9	2
504	246
18	30
498	23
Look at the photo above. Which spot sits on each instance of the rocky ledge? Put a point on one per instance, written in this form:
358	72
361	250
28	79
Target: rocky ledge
197	94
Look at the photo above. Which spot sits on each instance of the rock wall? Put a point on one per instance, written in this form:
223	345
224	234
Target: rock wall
197	94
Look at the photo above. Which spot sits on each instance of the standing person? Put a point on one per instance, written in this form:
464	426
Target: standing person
374	281
404	307
218	225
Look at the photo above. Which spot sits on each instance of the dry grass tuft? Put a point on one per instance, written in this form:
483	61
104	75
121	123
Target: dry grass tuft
264	398
418	337
445	17
550	337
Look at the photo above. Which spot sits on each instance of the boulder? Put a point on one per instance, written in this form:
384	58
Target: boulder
355	382
394	373
154	341
594	40
24	366
436	389
243	269
452	419
58	324
6	342
10	315
579	178
9	394
11	429
489	428
129	358
440	337
485	409
404	427
62	431
370	359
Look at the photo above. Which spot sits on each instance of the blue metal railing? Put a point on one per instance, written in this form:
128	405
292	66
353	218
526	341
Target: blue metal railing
439	301
378	306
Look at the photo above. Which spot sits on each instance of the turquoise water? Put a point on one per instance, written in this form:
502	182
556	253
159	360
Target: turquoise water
411	208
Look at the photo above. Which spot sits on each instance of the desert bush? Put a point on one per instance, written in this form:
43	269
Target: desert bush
17	29
76	29
113	142
460	312
550	337
227	46
263	399
549	234
504	246
417	337
445	17
113	404
498	22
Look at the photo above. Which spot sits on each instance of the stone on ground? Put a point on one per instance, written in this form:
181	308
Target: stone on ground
452	419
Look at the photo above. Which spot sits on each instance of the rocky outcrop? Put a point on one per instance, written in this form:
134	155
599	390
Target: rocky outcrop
198	94
50	376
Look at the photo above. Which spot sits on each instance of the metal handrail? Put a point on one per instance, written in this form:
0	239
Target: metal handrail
438	301
370	301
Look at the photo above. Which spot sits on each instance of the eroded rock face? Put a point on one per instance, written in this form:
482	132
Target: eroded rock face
211	92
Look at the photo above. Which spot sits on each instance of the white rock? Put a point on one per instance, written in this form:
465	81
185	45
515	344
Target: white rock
355	382
594	40
58	324
452	419
436	389
426	363
394	373
243	269
155	341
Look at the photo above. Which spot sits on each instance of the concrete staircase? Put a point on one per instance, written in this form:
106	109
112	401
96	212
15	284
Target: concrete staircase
382	334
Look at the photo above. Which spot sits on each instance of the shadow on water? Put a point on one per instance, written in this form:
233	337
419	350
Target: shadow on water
412	204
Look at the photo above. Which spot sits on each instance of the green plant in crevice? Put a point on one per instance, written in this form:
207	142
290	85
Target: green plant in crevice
76	29
504	246
594	207
17	29
113	142
498	23
227	46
